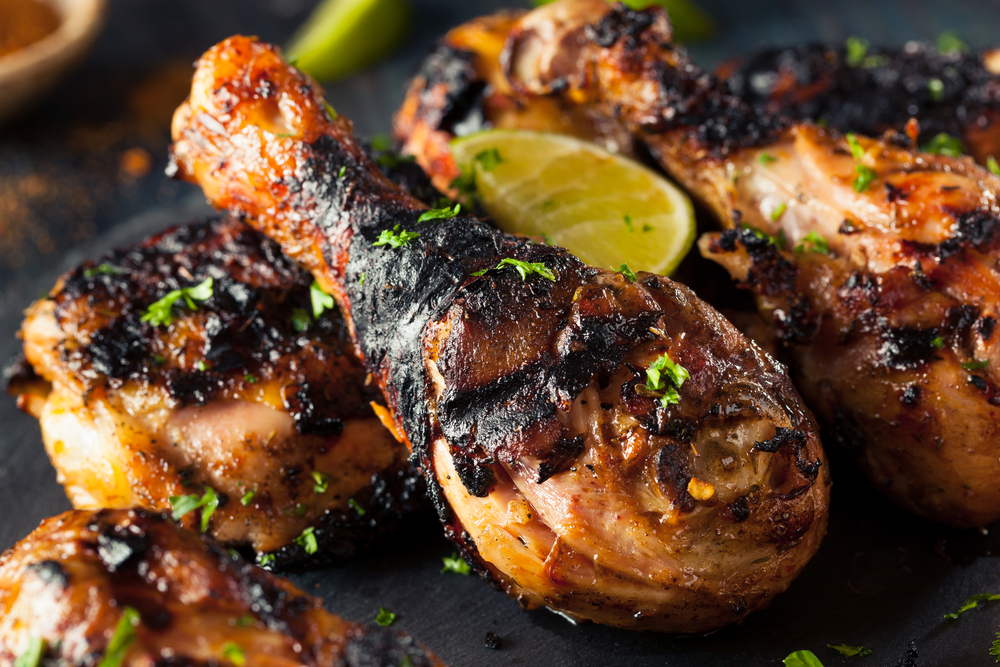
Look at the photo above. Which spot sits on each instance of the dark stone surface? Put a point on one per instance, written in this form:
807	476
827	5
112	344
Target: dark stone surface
882	577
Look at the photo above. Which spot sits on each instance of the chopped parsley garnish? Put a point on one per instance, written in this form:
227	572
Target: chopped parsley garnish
856	150
320	300
307	540
628	223
385	617
778	211
944	144
803	659
433	214
32	656
857	48
201	365
851	651
330	111
158	359
488	159
937	343
322	482
301	509
816	242
251	378
247	498
356	506
864	178
266	559
664	377
381	142
102	269
991	164
766	159
300	319
523	268
949	42
244	621
994	649
234	654
976	364
122	638
391	160
361	280
343	170
646	227
778	240
161	312
397	237
183	505
935	87
455	563
465	184
973	601
627	272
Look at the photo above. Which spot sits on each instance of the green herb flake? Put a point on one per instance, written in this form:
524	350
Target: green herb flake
851	651
948	42
122	638
161	312
433	214
548	205
234	654
627	272
307	540
330	111
864	178
994	649
662	370
937	343
32	656
102	269
776	240
803	659
385	617
523	268
455	563
944	144
856	48
301	509
991	164
183	505
628	223
251	378
646	227
465	184
356	506
343	170
489	159
158	359
322	482
976	364
201	365
778	211
766	159
320	300
397	237
244	621
856	150
266	559
381	142
935	87
361	280
247	498
972	602
406	662
815	242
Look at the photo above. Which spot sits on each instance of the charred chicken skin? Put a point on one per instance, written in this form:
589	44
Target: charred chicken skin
130	587
243	395
876	265
557	467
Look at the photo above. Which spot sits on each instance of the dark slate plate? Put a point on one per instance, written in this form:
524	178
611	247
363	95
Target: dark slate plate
881	579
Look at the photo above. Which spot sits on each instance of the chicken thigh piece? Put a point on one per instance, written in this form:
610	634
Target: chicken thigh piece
614	450
132	588
236	407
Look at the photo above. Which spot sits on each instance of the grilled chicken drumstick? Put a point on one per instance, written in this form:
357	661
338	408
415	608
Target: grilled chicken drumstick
131	588
616	451
875	264
241	394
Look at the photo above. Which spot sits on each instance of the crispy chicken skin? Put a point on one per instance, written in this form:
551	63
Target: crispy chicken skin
524	399
72	581
246	393
884	289
955	93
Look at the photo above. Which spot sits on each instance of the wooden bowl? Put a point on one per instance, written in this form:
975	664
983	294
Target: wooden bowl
27	73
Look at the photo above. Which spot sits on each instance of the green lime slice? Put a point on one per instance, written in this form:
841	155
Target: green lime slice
604	208
343	36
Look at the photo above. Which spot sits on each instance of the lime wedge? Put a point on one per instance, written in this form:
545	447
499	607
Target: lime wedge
689	22
604	208
343	36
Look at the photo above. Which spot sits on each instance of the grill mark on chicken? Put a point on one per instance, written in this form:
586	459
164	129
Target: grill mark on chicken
815	82
488	376
98	357
193	598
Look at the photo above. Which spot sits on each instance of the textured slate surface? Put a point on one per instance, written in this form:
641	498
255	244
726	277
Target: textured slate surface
881	579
